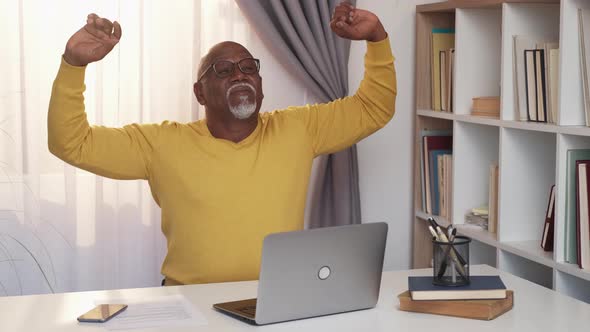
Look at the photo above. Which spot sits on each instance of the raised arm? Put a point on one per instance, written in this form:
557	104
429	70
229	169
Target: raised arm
121	153
336	125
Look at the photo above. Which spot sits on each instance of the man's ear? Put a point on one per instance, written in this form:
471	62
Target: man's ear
197	88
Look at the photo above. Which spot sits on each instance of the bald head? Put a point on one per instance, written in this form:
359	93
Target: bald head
220	50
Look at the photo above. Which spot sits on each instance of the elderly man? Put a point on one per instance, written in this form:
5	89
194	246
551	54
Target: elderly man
226	182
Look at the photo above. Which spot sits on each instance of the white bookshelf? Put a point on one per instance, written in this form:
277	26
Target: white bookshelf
531	156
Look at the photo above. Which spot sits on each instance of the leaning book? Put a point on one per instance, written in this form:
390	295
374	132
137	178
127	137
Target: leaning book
480	287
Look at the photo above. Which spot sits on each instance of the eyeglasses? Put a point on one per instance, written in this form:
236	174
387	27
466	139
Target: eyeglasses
225	68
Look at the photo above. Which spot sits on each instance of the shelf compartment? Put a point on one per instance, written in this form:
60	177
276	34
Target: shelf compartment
425	22
527	172
524	268
477	56
572	286
424	123
475	148
564	142
536	21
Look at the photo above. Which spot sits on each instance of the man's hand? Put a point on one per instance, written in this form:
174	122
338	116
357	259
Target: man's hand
356	24
93	42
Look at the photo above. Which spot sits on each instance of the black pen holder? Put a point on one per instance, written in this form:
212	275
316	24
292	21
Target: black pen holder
451	262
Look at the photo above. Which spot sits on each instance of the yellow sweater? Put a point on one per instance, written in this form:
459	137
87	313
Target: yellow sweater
218	198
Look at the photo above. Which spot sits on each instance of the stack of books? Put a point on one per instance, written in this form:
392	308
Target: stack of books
478	217
486	298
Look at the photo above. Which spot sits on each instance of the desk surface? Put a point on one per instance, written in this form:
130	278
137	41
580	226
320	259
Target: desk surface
535	309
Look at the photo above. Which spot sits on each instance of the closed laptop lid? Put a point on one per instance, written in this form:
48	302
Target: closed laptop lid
320	271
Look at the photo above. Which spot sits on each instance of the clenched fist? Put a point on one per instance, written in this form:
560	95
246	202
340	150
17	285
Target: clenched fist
356	24
93	42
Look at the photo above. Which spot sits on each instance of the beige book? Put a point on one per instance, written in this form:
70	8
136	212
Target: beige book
530	83
547	47
440	42
521	43
554	81
540	86
493	198
448	162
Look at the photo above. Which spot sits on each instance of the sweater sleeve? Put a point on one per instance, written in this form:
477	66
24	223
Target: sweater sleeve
118	153
338	124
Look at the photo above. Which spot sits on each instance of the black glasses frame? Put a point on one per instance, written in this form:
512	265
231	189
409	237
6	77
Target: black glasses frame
257	61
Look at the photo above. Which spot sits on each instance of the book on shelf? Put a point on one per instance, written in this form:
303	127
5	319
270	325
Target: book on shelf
435	181
553	81
547	47
447	60
535	85
441	40
493	198
479	287
582	220
535	66
570	240
448	186
486	106
584	42
541	95
520	44
549	226
430	144
474	309
423	178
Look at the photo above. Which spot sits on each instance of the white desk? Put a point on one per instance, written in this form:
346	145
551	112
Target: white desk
535	309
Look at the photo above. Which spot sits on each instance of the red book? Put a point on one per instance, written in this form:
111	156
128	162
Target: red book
548	229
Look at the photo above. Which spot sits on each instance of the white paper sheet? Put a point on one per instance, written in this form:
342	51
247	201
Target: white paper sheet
161	311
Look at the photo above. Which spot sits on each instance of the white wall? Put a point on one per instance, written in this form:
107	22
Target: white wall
386	157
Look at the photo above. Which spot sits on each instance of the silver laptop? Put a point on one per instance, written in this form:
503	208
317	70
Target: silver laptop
314	273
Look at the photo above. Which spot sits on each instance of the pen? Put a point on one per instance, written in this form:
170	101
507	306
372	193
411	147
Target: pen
460	262
434	235
451	232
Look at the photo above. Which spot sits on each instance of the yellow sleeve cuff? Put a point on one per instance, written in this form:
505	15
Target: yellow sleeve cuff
74	75
379	51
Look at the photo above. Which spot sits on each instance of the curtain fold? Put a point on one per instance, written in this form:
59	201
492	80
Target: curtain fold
298	33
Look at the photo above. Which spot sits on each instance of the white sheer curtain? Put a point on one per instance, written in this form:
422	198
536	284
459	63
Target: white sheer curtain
61	228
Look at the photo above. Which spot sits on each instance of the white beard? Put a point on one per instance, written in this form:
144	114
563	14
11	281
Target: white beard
245	108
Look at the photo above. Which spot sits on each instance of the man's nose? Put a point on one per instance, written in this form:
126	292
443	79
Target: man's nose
237	75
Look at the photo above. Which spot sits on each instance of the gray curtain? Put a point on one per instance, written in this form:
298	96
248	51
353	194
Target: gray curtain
298	32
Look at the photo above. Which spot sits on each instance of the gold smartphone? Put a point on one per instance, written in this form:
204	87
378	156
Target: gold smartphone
102	312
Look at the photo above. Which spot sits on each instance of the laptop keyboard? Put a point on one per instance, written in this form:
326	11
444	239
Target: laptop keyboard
249	310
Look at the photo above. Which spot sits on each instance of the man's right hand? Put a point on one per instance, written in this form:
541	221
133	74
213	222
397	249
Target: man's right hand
93	42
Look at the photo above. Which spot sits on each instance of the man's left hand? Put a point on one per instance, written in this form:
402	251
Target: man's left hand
356	24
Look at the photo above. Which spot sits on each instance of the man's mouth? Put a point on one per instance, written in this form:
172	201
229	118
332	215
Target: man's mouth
241	88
